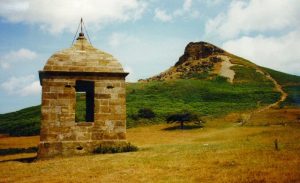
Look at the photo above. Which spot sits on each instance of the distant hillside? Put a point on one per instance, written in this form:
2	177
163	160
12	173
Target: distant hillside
202	60
205	80
22	122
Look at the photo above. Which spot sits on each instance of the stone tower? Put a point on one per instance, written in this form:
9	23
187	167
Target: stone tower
81	75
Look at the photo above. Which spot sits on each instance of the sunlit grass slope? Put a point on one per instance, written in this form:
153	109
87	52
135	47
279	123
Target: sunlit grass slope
205	97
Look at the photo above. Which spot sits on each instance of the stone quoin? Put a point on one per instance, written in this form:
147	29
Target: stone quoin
81	69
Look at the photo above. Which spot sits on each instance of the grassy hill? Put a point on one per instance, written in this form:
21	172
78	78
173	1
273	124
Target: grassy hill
206	98
23	122
196	88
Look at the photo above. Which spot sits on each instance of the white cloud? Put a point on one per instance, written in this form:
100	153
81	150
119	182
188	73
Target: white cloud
20	54
149	56
213	2
131	76
244	17
58	15
22	86
184	11
162	15
187	4
31	89
16	56
280	53
4	65
118	39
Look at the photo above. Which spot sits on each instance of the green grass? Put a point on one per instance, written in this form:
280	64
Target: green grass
291	85
22	122
283	78
117	148
206	98
80	114
244	74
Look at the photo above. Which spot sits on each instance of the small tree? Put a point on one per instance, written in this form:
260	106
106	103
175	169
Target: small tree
146	113
182	118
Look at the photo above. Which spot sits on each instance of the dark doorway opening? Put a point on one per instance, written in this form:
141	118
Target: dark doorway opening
84	101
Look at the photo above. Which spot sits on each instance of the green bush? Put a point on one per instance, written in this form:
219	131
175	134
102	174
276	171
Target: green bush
146	113
220	79
183	117
18	150
104	149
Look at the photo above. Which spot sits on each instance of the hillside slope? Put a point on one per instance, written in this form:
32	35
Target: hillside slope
22	122
205	80
290	84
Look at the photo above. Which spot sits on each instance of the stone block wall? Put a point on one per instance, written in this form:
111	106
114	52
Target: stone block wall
61	135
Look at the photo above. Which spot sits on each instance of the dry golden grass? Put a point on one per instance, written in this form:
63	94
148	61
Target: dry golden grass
17	142
220	152
17	156
283	116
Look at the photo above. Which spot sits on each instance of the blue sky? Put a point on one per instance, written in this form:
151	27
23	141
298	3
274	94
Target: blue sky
147	37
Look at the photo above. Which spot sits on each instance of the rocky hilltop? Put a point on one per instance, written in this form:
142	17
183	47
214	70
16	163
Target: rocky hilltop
198	50
200	60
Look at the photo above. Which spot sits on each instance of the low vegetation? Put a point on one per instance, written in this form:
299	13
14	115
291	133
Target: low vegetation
21	123
209	96
290	84
80	107
18	150
183	117
146	113
119	148
155	100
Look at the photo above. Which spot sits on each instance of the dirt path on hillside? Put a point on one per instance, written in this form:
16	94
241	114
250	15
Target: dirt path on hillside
229	73
278	87
225	68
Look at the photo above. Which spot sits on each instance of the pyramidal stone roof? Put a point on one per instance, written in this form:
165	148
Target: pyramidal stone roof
83	57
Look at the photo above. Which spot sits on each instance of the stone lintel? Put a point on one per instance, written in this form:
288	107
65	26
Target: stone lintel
52	74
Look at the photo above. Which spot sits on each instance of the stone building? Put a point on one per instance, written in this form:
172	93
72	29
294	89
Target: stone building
81	71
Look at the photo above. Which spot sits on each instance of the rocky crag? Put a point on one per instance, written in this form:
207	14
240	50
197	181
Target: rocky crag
200	60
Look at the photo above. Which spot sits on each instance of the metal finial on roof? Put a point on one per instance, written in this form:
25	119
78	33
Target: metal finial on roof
81	34
81	24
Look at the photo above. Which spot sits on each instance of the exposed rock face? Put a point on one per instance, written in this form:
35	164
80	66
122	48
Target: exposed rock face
198	50
200	60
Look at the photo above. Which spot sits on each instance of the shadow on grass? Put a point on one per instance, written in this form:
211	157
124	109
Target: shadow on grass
11	151
22	160
187	127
